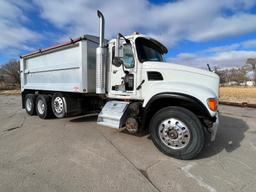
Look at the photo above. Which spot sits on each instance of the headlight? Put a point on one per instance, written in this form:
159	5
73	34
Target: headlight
212	104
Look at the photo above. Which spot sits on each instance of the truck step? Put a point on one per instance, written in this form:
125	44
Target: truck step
113	114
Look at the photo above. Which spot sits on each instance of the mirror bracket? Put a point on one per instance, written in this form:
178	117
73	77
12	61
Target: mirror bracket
118	47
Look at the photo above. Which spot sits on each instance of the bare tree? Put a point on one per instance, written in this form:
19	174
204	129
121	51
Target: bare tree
238	75
12	69
222	74
235	74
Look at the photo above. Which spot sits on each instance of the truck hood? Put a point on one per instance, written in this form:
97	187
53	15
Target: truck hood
201	84
175	67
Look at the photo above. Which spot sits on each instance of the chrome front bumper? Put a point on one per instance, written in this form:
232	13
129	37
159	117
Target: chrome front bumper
214	128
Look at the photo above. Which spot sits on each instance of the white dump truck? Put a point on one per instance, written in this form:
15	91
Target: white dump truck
129	85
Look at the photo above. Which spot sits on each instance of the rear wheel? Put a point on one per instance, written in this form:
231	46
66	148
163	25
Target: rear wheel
177	132
30	104
43	106
58	105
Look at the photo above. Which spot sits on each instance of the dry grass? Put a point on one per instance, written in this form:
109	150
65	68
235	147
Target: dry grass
238	94
10	92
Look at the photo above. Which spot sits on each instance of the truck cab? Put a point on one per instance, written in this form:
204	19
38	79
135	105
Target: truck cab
142	73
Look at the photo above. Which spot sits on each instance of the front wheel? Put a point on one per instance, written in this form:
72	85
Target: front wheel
177	132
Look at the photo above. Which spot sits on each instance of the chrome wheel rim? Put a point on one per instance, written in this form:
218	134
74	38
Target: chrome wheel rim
29	104
174	133
41	106
58	105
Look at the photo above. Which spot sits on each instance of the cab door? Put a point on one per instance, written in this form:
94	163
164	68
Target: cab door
123	78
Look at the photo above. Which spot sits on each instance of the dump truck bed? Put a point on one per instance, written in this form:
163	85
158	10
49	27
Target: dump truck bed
69	67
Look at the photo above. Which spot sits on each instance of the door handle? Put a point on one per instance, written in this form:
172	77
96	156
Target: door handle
115	71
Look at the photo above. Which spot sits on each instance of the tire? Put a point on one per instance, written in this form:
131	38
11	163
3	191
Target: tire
30	104
43	106
58	105
177	132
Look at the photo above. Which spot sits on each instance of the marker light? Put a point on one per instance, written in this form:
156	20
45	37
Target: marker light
212	104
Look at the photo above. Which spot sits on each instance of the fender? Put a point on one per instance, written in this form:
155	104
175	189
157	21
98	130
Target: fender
177	96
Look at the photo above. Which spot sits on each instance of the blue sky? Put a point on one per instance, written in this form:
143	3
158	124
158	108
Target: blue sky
220	32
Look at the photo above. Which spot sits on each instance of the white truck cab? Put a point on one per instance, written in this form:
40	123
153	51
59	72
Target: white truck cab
128	83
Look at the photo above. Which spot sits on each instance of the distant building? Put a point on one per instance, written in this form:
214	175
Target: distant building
232	83
250	83
242	84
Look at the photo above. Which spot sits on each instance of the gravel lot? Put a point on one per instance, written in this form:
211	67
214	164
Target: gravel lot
76	154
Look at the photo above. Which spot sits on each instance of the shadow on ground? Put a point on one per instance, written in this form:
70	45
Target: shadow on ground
85	118
230	134
93	118
141	133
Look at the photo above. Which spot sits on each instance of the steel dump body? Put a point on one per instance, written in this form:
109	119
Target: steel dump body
69	67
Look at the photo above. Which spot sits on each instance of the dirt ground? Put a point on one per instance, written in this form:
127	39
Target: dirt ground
238	94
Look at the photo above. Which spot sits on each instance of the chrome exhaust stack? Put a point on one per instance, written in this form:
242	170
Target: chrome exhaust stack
101	58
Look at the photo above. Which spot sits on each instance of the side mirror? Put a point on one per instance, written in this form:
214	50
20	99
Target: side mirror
117	61
119	52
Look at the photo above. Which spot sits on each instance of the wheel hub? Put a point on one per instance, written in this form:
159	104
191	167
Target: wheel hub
28	104
174	133
41	106
58	105
132	125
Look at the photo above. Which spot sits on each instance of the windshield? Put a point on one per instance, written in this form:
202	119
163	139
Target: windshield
147	50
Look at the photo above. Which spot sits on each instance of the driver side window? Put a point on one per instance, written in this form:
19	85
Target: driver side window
128	58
